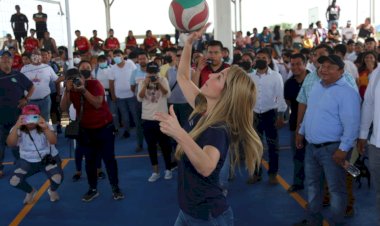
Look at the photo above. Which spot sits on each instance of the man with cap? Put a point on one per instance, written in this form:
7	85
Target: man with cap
13	86
330	126
18	21
348	32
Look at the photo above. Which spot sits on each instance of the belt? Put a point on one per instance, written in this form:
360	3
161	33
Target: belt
325	144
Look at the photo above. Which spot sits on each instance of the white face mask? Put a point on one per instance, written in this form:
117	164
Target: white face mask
76	60
36	59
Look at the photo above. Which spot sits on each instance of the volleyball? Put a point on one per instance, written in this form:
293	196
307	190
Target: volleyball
188	15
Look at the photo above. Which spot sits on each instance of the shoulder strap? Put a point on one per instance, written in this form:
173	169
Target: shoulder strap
81	108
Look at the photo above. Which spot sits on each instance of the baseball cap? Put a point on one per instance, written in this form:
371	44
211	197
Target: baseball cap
334	59
5	53
152	68
348	21
31	109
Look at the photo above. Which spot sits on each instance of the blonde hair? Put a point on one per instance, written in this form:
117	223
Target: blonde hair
235	109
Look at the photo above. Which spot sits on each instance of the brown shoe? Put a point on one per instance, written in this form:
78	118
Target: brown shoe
273	179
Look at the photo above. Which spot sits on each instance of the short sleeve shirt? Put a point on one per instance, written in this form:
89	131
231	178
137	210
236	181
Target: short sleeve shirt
19	20
12	88
92	118
202	197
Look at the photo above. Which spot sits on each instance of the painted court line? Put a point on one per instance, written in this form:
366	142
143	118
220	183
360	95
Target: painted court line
295	195
17	220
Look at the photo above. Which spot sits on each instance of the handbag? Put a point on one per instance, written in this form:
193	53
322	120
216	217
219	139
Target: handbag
72	130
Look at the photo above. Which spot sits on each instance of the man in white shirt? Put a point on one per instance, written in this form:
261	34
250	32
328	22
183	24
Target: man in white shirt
120	89
371	114
341	50
297	39
269	109
351	54
41	75
348	32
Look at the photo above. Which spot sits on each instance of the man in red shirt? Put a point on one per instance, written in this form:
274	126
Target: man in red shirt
81	44
96	43
212	64
17	59
150	42
111	43
31	42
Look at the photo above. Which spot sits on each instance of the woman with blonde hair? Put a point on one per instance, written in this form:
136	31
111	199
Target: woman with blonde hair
222	120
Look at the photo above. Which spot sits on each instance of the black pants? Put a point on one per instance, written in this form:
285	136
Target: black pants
55	113
153	135
265	124
95	142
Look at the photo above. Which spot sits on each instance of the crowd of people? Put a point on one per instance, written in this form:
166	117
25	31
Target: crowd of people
206	111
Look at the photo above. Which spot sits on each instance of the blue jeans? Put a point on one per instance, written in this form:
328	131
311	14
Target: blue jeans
126	107
298	161
225	219
115	114
4	132
330	22
44	105
374	165
317	162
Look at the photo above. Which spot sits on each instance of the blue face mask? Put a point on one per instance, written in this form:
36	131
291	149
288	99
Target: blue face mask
117	60
103	65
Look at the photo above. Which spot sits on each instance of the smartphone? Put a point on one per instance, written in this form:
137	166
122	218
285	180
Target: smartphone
31	119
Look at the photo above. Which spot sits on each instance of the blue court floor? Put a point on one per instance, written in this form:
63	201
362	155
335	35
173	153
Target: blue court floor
155	204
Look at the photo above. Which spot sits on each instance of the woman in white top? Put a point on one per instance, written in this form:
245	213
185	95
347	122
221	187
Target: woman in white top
35	139
153	92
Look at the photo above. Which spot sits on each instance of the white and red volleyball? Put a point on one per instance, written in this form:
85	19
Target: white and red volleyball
188	15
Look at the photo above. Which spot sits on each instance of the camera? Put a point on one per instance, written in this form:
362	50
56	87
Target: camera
77	82
31	119
153	78
48	160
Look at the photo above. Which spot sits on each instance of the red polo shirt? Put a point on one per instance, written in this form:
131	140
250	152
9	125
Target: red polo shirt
112	44
82	44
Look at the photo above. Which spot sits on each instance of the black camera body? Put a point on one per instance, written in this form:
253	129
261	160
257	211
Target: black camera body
153	78
48	160
77	82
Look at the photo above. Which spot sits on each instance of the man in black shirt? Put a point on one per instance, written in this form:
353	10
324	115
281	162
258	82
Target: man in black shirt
40	18
291	90
18	21
13	86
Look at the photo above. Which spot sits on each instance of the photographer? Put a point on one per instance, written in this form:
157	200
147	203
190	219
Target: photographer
35	139
153	92
96	135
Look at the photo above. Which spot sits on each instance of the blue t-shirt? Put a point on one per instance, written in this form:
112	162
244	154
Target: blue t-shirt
12	88
202	197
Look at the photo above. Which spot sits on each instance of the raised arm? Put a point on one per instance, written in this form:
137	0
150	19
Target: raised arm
189	89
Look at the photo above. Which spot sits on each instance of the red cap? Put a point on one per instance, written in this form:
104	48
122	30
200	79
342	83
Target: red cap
31	109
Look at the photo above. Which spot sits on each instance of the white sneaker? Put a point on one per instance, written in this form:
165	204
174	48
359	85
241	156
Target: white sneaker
29	198
53	195
154	177
168	175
